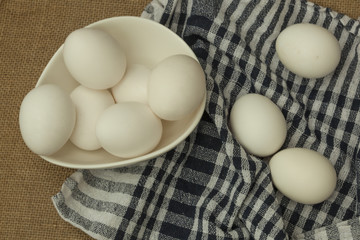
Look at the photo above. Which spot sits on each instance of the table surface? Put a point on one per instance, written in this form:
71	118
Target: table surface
30	33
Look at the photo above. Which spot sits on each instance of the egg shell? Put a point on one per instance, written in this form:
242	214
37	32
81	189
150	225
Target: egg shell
46	118
89	104
94	58
176	87
308	50
303	175
128	129
258	124
133	86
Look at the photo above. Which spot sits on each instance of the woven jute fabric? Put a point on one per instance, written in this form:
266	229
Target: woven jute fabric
30	33
347	7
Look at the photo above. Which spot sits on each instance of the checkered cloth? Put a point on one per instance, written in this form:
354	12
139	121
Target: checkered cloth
209	187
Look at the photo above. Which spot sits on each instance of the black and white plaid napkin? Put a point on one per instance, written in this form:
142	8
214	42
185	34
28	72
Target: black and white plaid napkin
208	187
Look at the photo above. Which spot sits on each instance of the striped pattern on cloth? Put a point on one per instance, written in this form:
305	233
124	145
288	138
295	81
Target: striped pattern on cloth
209	187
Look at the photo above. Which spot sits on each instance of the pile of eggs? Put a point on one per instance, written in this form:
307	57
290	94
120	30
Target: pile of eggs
120	107
302	175
117	106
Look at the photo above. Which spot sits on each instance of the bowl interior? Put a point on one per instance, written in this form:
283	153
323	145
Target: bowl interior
145	42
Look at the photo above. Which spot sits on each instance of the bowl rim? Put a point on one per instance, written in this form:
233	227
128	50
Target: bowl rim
126	162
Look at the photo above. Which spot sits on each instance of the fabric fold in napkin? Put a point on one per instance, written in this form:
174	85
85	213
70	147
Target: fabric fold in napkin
209	187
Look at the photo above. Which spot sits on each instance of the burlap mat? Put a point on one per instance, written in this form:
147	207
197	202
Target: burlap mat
30	33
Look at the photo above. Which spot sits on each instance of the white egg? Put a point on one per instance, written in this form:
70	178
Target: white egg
46	118
133	86
303	175
258	124
308	50
89	104
129	129
94	58
176	87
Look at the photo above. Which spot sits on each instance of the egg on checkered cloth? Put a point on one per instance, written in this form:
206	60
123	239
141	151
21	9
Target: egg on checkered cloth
308	50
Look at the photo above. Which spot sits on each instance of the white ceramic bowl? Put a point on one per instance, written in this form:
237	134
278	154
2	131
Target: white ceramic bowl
145	42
